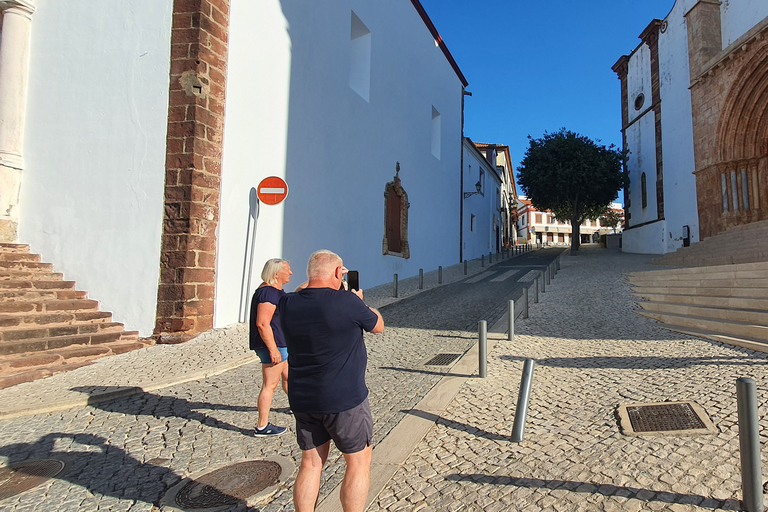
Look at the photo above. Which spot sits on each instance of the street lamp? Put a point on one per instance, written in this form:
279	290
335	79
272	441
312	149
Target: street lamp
478	186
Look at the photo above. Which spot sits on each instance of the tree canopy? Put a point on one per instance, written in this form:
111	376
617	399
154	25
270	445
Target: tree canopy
571	175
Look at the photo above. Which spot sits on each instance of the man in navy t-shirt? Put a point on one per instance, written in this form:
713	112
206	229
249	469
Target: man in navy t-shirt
323	328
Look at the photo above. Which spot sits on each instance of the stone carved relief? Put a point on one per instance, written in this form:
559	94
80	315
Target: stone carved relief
395	242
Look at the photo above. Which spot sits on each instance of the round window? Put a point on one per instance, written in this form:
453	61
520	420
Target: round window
639	101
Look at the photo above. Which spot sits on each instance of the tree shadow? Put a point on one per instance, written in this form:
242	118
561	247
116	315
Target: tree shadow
589	488
126	400
462	427
639	362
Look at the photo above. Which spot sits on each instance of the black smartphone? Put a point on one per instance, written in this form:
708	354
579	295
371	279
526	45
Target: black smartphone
353	279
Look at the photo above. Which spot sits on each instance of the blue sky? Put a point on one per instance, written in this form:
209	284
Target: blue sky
536	66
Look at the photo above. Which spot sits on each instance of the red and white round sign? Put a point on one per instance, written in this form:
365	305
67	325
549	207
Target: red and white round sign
272	190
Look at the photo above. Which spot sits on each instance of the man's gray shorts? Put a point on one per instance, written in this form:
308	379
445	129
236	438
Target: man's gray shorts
351	430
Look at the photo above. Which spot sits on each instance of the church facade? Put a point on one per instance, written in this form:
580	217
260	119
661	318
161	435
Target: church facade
695	124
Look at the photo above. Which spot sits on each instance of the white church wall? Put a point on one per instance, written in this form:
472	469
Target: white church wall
92	192
641	138
739	16
298	108
639	81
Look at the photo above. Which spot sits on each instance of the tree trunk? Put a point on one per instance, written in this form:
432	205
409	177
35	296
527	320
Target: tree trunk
575	236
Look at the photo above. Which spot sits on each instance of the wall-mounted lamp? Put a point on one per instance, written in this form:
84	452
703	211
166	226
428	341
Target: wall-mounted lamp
478	186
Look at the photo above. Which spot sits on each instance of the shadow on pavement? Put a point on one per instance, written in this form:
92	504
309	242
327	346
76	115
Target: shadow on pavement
463	427
588	488
428	372
125	400
640	363
92	463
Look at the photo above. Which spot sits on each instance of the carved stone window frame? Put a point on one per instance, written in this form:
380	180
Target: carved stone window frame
396	186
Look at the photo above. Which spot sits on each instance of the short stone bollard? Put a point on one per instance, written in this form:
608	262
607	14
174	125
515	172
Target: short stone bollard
482	331
394	285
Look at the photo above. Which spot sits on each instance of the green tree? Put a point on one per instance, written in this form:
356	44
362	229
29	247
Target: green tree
571	175
611	219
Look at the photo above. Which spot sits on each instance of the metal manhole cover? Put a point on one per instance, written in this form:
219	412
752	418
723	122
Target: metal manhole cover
442	360
229	485
667	418
23	476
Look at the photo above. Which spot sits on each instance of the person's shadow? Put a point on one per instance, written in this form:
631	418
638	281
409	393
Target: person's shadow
92	463
126	401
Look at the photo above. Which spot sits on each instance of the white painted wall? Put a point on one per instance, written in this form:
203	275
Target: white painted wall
92	191
483	206
291	112
641	141
739	16
639	81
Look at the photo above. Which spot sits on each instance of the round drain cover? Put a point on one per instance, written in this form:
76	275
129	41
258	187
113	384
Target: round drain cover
229	485
23	476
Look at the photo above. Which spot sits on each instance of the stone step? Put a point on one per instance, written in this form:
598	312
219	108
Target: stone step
734	329
708	291
758	266
20	256
22	295
46	331
49	306
30	265
703	300
42	344
699	281
19	368
757	345
27	275
747	316
53	319
14	248
43	284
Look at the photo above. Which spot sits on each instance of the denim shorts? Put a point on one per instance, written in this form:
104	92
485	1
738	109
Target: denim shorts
350	430
263	354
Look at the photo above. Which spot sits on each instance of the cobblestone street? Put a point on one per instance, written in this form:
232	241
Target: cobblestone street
592	353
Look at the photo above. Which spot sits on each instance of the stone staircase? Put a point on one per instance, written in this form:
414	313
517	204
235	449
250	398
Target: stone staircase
48	326
739	244
726	303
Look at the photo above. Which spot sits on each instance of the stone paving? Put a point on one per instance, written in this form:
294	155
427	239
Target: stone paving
592	354
123	454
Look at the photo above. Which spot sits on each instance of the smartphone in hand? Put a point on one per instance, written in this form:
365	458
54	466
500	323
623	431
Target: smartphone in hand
353	279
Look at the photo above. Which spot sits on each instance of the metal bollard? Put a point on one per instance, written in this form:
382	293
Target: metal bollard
465	267
482	330
394	285
558	262
543	281
521	411
511	320
421	279
536	292
440	275
552	270
490	258
482	260
749	445
525	303
546	274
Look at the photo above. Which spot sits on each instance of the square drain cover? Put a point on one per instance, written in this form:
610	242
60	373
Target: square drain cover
671	418
442	360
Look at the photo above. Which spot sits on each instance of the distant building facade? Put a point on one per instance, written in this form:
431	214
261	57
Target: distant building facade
542	227
695	122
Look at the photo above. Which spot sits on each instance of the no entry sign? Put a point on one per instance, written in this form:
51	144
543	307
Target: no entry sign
272	190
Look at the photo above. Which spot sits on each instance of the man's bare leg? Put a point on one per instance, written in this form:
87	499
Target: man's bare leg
307	485
357	478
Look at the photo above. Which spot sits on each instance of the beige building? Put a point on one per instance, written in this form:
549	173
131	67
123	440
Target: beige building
543	227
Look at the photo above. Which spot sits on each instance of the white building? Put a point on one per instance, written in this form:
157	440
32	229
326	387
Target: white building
136	132
542	227
482	226
673	84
